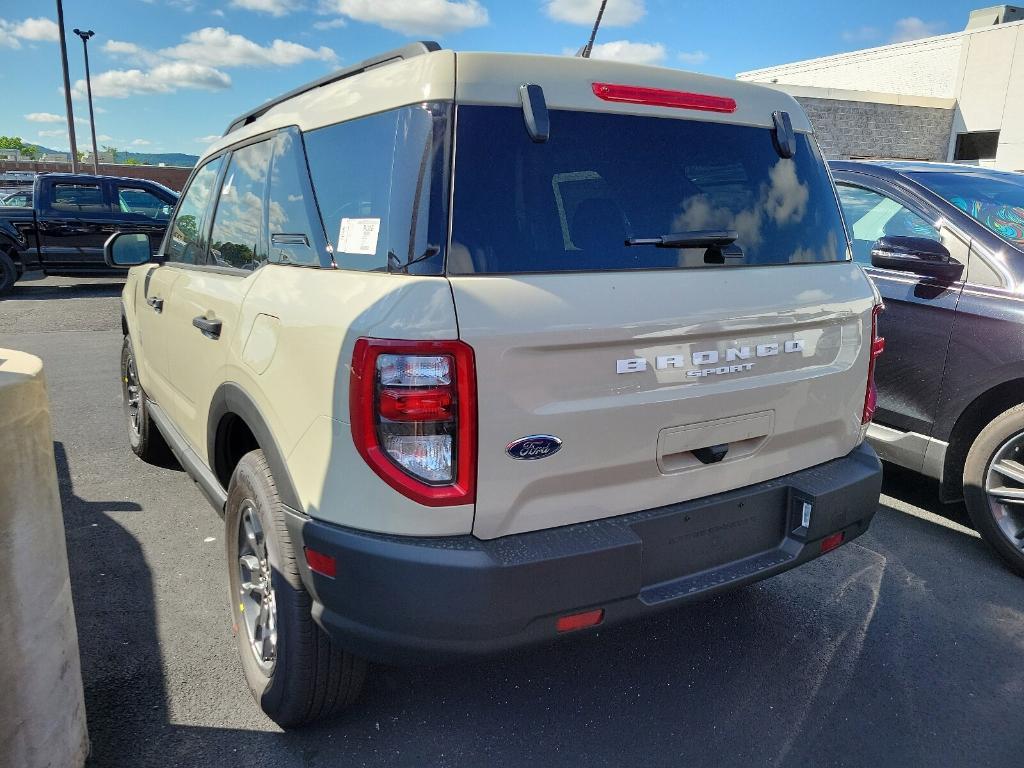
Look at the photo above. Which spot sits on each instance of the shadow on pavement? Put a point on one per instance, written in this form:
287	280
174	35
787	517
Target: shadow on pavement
875	655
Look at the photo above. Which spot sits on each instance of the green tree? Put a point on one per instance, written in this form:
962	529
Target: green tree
132	161
113	152
16	142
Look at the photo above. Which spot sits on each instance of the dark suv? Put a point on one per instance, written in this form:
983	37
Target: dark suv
945	246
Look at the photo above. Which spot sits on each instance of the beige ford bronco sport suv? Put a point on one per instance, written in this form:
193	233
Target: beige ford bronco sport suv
475	350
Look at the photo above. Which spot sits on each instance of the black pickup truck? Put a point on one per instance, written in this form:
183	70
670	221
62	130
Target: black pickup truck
71	218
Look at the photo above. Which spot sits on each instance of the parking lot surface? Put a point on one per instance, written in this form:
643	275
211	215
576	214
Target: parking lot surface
905	647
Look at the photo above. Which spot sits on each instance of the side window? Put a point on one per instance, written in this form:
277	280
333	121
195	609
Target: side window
136	201
350	164
871	215
185	243
77	198
290	211
381	184
238	238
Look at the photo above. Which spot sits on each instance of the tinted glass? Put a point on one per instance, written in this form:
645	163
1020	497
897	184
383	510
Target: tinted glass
184	244
238	238
870	215
142	202
290	212
980	145
996	201
381	186
570	203
78	198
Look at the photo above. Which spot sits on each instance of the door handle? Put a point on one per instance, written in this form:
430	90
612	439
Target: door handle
210	328
156	303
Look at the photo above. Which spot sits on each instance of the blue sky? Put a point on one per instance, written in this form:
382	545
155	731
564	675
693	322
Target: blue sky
168	75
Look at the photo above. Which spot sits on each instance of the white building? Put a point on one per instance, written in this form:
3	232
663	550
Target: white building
953	97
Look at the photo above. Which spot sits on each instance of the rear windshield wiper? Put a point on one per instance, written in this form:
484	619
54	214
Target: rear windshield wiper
704	238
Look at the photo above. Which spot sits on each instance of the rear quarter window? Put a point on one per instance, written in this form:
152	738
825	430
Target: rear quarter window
569	204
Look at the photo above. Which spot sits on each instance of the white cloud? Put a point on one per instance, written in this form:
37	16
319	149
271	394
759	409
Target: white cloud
217	12
414	17
331	24
692	58
44	117
273	7
131	51
104	137
55	132
141	142
215	46
913	28
206	139
625	50
861	34
163	78
38	29
618	13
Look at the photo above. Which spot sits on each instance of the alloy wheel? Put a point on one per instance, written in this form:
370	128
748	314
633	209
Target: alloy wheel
1004	487
256	593
132	393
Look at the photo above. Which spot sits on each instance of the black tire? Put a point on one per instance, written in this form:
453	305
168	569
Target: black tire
307	676
1001	525
8	273
143	435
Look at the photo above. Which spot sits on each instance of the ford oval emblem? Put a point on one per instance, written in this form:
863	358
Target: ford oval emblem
534	447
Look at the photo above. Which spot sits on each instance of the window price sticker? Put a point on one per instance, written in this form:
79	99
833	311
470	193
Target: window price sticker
359	236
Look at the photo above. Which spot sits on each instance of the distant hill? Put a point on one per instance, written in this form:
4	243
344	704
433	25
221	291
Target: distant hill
146	158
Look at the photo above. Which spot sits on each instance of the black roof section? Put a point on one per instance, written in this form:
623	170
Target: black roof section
398	54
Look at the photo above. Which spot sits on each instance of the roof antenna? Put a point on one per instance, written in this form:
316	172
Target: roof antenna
584	52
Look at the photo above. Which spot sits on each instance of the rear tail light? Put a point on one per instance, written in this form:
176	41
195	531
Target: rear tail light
659	97
877	347
413	412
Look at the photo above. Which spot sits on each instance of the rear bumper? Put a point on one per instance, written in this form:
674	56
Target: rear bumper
402	599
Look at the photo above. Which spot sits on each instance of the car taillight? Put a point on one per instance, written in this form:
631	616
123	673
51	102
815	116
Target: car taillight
413	413
877	347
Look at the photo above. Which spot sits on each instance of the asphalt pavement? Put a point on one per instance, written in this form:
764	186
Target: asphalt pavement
904	648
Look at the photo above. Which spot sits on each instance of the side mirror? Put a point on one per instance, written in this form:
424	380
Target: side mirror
127	249
919	255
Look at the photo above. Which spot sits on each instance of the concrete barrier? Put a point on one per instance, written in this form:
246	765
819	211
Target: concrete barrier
42	710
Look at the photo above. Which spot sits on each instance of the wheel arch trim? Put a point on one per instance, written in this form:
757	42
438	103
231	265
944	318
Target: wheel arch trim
231	399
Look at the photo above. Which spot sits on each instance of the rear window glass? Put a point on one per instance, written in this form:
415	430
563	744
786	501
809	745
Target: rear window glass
569	204
79	198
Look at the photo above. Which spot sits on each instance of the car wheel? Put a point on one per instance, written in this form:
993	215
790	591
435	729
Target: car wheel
296	673
8	273
994	486
143	435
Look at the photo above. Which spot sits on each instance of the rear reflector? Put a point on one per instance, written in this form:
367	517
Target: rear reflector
580	620
320	563
658	97
831	542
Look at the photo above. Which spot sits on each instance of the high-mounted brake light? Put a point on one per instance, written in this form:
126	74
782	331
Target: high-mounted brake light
659	97
877	347
413	414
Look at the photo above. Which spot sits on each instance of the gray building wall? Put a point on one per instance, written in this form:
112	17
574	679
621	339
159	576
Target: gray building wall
849	129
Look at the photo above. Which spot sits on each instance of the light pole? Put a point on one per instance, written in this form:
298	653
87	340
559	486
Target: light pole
67	88
88	87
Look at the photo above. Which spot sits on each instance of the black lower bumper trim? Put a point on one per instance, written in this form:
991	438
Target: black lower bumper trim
407	599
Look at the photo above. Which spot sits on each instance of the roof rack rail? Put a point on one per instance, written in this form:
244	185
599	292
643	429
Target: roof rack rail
398	54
